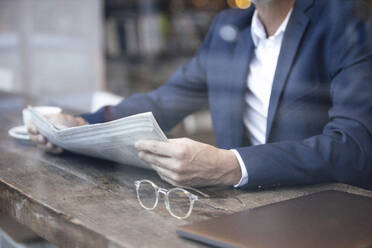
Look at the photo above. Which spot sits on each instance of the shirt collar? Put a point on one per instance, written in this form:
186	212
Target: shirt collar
258	29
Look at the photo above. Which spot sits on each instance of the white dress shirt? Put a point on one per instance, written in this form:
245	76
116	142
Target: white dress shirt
259	84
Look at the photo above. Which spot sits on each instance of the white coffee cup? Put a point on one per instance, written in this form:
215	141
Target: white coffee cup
43	110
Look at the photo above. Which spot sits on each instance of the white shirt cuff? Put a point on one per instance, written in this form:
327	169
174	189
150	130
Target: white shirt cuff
244	179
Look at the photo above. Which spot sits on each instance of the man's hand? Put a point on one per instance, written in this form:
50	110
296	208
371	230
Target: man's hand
184	162
59	120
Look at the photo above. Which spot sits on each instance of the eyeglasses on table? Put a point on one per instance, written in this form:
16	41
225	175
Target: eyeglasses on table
178	201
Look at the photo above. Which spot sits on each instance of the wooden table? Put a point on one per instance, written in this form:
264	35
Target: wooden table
76	201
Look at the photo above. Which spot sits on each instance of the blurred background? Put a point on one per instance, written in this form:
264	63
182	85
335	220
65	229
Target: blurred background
82	54
55	48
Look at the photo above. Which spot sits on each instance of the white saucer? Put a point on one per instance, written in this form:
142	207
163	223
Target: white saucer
19	132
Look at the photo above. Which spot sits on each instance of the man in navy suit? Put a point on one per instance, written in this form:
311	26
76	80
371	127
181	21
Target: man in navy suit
289	85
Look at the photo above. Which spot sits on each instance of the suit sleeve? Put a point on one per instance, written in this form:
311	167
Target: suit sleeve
343	151
184	93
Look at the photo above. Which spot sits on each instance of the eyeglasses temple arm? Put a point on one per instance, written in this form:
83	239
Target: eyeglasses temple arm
198	191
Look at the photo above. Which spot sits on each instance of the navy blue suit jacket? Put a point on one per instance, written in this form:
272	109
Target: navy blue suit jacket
319	126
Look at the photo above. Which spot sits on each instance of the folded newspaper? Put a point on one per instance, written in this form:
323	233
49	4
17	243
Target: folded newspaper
112	140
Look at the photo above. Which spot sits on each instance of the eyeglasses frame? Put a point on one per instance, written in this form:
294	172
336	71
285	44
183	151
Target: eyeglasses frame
165	192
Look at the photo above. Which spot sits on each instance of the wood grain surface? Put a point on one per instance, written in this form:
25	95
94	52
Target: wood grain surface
77	201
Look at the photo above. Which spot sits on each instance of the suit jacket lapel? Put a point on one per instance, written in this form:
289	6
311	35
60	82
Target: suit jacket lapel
239	68
291	41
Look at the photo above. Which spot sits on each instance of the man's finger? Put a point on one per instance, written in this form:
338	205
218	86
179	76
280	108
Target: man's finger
166	175
33	138
50	148
43	144
38	139
53	149
160	161
157	147
31	129
41	139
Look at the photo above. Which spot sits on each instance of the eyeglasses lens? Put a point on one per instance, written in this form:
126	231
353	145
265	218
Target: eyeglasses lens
147	195
179	202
